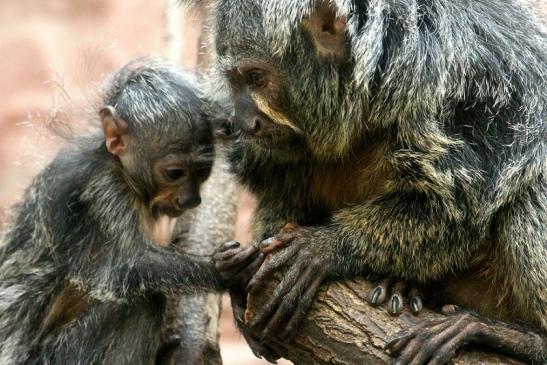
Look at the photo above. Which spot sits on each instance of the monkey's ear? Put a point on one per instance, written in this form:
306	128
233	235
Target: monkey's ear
115	131
327	30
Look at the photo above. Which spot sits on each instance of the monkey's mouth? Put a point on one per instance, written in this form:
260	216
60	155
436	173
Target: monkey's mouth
276	142
169	210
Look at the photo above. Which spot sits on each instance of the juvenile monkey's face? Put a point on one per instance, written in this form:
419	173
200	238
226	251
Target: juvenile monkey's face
177	178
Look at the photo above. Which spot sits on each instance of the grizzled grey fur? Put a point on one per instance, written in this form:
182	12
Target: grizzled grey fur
80	227
441	104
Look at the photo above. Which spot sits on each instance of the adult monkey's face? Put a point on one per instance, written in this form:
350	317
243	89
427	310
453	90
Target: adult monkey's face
289	69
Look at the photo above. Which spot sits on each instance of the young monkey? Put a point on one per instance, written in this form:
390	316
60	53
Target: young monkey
83	278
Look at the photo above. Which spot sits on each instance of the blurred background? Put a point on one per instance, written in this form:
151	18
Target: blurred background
75	44
44	43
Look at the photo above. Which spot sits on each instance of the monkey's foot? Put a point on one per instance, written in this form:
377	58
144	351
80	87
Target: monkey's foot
395	291
236	264
436	342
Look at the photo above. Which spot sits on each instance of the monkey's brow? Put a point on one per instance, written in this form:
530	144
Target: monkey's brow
202	153
176	148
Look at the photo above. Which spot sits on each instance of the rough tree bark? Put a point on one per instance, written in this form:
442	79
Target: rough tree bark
343	329
196	317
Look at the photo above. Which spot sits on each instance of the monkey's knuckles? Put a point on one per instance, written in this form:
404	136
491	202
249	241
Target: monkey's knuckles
289	233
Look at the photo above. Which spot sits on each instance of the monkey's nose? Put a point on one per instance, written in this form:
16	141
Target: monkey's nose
252	127
189	202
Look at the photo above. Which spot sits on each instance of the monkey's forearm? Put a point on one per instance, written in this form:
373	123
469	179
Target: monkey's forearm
406	236
164	269
155	269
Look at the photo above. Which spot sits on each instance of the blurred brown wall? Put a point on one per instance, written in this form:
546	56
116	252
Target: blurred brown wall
81	40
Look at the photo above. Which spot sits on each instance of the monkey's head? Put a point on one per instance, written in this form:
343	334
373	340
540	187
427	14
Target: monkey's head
157	126
291	80
330	73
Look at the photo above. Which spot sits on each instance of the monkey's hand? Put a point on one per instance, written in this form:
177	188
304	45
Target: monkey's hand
399	293
236	266
306	253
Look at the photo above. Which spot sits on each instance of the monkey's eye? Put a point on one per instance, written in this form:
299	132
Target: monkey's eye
174	173
256	78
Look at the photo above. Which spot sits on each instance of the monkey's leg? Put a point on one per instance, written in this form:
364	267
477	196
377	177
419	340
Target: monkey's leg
521	233
436	342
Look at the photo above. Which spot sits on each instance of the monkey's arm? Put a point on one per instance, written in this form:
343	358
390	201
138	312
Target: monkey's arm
406	234
165	269
149	268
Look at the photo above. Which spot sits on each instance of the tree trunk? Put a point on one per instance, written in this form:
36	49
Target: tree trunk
343	329
196	317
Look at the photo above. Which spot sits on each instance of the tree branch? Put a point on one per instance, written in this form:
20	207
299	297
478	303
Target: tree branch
343	329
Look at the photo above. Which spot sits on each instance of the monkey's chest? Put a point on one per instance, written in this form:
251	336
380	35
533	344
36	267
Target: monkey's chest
161	230
342	185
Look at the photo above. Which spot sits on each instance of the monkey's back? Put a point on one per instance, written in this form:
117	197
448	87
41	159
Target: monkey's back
27	276
50	229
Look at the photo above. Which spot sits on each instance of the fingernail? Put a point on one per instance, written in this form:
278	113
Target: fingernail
416	305
375	295
267	242
394	305
450	309
232	244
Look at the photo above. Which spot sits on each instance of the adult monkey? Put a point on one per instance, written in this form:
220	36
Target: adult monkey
407	138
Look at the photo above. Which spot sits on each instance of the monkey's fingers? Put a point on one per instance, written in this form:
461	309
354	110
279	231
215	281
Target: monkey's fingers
242	275
276	242
289	295
269	267
237	299
228	246
434	343
394	292
269	316
261	350
241	258
239	303
450	309
415	301
395	345
311	286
